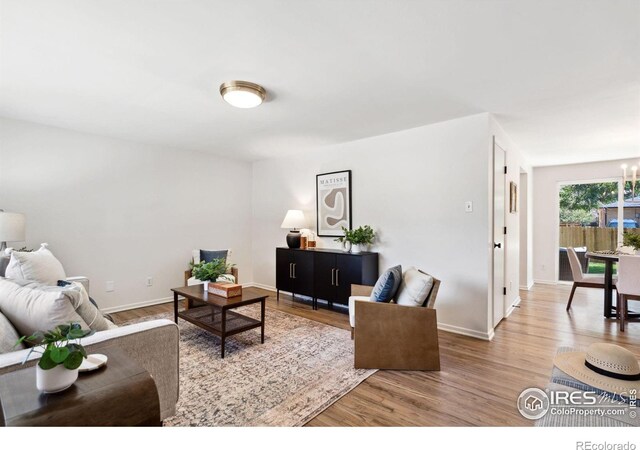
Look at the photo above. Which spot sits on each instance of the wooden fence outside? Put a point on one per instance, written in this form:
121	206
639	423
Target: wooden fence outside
593	238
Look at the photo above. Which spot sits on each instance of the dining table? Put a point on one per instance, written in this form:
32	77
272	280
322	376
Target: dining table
609	258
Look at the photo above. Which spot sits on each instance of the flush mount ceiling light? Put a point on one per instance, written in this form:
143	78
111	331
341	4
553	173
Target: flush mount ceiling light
242	94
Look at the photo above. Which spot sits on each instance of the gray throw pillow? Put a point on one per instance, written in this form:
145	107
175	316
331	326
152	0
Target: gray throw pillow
4	262
210	255
8	336
387	285
86	309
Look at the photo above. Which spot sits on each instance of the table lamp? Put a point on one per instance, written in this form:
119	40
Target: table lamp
294	220
12	226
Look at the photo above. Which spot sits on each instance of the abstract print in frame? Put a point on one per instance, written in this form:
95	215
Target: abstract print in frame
333	202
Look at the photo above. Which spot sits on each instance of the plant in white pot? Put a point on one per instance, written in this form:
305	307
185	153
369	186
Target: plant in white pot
210	271
360	238
62	355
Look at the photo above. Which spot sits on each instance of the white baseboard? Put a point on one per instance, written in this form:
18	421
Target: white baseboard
513	306
546	282
260	285
466	331
441	326
527	288
157	301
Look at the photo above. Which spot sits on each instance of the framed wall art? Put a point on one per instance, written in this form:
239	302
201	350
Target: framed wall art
333	203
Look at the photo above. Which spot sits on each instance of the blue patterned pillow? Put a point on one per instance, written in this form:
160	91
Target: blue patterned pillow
210	255
387	285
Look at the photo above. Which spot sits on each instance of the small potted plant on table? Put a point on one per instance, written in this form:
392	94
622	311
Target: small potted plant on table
62	355
210	271
360	238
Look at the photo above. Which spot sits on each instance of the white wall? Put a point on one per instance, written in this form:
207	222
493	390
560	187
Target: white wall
515	164
115	210
120	211
526	224
411	186
546	182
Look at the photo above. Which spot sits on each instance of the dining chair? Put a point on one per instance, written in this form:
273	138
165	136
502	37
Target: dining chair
628	285
580	279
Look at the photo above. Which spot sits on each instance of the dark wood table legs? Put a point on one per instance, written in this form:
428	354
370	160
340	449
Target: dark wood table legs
608	289
262	305
224	331
216	314
175	307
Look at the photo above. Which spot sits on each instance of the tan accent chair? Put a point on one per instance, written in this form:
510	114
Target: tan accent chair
581	279
195	257
391	336
628	286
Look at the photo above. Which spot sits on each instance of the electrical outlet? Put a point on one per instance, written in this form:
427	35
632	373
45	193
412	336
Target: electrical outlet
149	281
111	286
468	206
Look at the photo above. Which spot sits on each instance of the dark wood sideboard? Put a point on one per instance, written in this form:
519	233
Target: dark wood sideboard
323	273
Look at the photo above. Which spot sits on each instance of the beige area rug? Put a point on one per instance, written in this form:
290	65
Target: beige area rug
301	369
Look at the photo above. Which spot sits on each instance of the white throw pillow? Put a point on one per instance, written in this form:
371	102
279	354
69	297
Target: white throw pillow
31	306
40	266
415	288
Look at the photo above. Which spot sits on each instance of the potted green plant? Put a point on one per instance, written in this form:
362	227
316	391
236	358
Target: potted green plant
346	239
62	355
210	271
632	240
360	238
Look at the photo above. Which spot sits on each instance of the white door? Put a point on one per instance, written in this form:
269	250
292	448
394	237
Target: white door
499	181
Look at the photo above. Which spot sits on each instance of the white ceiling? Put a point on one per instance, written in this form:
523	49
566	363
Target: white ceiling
563	77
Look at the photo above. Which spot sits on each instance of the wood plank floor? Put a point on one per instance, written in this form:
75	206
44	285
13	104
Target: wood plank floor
479	381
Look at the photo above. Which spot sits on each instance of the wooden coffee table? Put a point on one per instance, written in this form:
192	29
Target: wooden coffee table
213	313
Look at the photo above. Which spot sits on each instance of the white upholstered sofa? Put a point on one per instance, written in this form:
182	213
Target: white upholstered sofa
153	344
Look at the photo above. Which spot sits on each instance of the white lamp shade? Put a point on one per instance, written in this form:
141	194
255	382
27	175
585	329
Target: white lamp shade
294	219
12	226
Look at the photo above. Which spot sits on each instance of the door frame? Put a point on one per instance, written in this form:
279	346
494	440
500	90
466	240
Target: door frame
495	144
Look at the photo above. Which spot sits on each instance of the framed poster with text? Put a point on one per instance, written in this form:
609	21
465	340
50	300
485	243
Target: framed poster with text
333	203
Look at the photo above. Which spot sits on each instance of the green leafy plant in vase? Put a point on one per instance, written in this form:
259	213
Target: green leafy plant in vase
360	238
210	271
631	239
62	354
